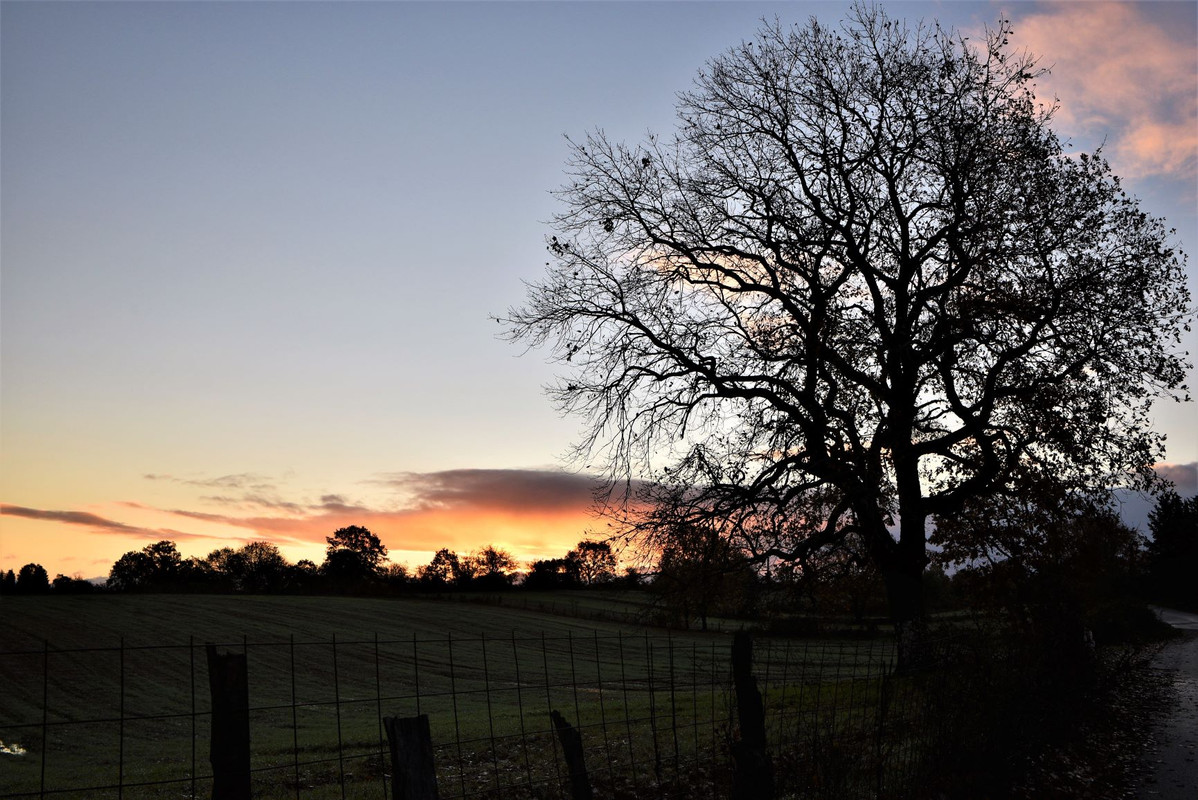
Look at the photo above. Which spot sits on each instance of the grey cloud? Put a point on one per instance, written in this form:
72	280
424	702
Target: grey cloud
336	504
515	489
248	481
1183	476
71	517
200	515
90	520
258	500
220	500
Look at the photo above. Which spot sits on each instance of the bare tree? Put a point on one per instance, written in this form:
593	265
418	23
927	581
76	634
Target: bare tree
862	283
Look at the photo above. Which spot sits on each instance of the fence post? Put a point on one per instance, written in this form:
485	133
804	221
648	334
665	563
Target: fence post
752	770
883	707
580	784
230	744
413	773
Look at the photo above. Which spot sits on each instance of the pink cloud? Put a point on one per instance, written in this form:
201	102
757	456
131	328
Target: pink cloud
1122	76
1183	476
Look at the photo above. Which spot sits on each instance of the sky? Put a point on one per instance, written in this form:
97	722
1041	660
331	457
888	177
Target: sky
250	253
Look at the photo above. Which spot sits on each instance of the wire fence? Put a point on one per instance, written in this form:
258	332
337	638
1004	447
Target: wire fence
657	716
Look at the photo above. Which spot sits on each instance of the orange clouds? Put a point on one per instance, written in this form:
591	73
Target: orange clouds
532	513
1122	76
533	532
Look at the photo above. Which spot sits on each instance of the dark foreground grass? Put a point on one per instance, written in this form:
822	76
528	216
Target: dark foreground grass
120	683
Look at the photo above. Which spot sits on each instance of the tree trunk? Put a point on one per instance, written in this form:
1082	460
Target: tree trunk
904	590
902	572
904	593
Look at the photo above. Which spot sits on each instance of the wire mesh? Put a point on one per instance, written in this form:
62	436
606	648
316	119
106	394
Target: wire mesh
656	716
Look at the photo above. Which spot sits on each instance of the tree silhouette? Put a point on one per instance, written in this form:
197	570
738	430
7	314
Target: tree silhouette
593	562
1062	565
353	554
303	576
220	568
256	567
444	570
132	571
32	579
552	573
700	572
64	584
490	568
862	284
1173	552
155	566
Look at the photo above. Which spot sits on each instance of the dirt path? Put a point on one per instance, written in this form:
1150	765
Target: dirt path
1172	759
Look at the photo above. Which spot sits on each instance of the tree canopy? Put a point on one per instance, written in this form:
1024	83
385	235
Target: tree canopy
863	284
32	579
155	566
353	554
593	562
1173	551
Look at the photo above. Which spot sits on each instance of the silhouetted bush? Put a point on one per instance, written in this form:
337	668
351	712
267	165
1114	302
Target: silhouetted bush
63	584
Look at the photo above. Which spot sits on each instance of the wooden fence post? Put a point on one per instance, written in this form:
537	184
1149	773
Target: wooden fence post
413	773
752	769
580	784
229	749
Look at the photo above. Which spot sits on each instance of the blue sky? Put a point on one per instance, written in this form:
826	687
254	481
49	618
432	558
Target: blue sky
249	251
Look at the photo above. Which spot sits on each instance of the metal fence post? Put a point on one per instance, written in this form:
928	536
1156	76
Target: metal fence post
230	744
413	773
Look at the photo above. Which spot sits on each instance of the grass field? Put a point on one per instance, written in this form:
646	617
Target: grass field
120	683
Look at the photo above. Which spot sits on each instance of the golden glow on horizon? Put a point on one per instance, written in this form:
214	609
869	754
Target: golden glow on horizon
411	536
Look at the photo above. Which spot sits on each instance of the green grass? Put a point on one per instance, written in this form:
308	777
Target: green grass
650	708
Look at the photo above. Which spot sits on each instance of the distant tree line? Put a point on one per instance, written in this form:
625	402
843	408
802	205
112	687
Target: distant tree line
33	579
355	563
1013	557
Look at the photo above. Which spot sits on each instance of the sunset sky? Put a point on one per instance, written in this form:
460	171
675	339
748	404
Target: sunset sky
248	252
